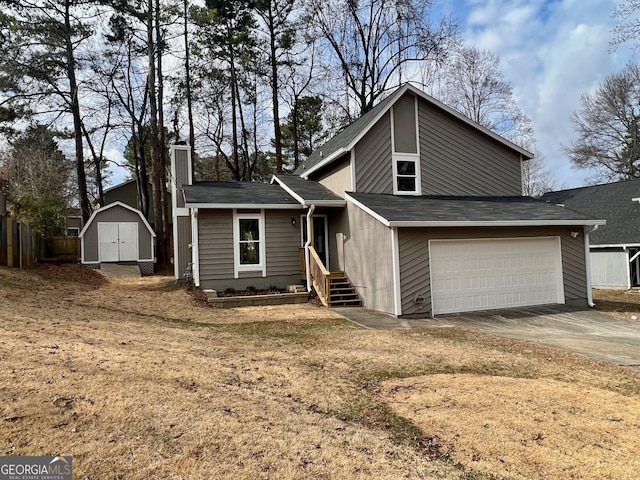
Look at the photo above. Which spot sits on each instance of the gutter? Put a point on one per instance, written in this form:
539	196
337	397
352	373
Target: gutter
587	260
307	257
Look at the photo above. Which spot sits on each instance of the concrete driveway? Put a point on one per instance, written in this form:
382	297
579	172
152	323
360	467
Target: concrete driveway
588	332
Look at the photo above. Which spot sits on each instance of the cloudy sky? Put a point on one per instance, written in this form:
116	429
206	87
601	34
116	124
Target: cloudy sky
551	51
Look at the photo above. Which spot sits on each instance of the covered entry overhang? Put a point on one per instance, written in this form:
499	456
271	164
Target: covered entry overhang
456	254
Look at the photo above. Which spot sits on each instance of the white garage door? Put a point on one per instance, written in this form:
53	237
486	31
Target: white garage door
468	275
118	242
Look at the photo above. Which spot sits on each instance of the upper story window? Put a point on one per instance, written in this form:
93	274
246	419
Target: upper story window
405	147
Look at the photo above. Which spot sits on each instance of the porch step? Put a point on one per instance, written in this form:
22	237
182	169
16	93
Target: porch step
342	293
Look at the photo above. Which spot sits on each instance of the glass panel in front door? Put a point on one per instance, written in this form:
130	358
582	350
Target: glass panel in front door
319	237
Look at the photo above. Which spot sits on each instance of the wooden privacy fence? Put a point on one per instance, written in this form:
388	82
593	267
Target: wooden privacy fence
62	248
20	246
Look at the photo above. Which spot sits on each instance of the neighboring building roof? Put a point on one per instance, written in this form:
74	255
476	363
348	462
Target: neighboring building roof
344	141
119	185
450	211
611	201
237	195
308	192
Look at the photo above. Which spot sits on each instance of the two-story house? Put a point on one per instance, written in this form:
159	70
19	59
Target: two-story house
417	207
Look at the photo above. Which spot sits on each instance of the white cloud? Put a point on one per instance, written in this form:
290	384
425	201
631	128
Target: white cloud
552	51
118	174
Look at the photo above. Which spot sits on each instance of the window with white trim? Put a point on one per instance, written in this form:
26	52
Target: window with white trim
248	233
406	174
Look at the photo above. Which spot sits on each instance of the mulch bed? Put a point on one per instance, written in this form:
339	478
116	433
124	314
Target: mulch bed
70	272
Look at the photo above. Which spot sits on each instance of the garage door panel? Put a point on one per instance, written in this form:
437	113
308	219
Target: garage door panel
499	273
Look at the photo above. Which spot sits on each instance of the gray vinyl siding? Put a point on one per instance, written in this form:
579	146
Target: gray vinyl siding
183	225
338	178
373	167
414	270
573	267
368	260
182	174
338	229
414	260
456	159
282	242
282	250
404	125
215	245
116	214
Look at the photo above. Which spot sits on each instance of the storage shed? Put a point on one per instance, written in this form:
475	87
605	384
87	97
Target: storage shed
118	233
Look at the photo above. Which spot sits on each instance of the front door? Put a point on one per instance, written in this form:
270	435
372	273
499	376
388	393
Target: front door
320	236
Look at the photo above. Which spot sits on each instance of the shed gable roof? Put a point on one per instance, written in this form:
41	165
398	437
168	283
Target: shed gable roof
344	141
97	212
611	201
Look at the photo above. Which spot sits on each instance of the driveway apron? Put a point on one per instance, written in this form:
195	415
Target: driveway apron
587	332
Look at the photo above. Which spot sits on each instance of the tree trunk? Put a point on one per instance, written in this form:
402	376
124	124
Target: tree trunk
165	243
157	163
235	168
85	206
296	136
277	135
188	81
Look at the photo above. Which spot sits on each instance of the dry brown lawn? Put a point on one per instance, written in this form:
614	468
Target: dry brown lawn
137	379
621	303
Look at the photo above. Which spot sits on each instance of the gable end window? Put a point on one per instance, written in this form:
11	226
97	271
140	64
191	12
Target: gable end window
406	175
405	147
249	245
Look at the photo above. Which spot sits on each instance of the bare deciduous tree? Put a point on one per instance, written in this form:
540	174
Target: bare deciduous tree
371	42
607	124
537	179
474	85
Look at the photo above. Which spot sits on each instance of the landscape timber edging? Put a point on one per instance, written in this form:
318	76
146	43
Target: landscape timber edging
255	300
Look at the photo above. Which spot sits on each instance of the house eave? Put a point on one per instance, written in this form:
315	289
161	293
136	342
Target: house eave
307	203
338	153
498	223
247	206
615	245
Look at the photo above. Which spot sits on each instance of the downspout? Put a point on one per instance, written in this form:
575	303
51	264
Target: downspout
307	256
587	260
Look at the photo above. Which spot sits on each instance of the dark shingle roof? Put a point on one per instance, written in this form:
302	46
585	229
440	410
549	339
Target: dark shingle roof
612	202
308	191
237	195
467	211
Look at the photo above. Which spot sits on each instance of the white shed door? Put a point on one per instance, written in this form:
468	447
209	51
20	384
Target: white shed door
118	241
128	241
468	275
